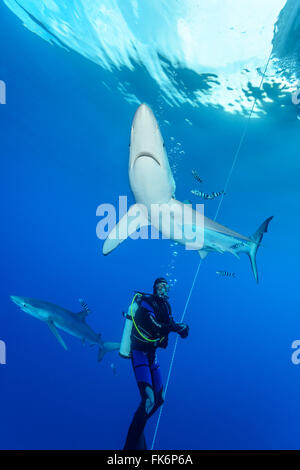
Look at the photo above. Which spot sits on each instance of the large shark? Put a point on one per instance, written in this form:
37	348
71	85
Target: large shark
73	323
152	184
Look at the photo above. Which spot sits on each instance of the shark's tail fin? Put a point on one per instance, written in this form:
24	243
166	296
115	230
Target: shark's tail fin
106	347
257	238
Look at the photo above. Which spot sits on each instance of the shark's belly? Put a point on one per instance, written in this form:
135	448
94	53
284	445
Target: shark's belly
220	242
77	329
179	222
191	238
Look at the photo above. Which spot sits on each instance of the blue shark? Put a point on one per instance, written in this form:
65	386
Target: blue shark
59	318
153	184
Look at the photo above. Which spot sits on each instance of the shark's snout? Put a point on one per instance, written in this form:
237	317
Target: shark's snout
18	300
146	142
144	117
149	172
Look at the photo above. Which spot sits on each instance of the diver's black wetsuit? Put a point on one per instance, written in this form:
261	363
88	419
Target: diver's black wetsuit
154	321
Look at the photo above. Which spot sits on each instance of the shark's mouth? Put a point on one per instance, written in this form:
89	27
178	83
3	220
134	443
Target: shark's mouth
147	155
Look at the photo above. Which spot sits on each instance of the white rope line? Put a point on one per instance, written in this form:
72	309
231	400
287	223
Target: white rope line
200	262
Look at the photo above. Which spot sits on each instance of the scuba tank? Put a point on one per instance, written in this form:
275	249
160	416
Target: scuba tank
125	345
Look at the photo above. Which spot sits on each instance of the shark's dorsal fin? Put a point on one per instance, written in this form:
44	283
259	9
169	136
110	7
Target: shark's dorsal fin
81	315
54	330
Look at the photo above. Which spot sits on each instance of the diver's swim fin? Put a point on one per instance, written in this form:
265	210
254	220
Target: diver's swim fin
56	334
142	443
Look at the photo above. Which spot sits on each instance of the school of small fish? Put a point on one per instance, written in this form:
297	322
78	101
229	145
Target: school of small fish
208	196
201	193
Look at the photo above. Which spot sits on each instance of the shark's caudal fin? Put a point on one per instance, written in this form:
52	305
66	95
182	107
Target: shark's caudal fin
106	347
257	237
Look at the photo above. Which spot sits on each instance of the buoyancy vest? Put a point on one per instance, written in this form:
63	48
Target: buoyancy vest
153	321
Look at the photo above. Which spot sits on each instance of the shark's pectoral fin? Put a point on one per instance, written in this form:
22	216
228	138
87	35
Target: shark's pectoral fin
56	334
133	220
203	254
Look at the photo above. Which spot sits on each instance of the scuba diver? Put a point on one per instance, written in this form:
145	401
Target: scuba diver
151	323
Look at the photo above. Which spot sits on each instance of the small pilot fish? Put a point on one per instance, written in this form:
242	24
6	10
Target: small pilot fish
225	274
196	176
206	196
113	368
84	305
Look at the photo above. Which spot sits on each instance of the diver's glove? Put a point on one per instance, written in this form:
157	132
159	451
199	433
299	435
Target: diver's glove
182	329
163	342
